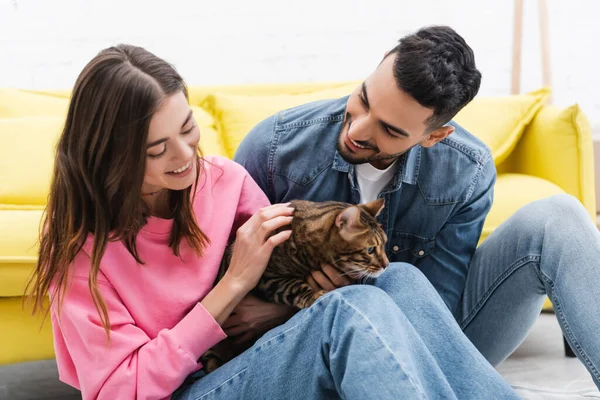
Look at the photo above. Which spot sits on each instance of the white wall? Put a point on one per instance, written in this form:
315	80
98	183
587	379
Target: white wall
45	43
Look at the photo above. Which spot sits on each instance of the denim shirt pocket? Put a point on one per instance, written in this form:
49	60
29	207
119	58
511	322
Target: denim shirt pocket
410	248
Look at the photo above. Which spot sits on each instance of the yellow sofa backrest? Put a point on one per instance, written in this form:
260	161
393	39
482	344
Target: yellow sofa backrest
32	121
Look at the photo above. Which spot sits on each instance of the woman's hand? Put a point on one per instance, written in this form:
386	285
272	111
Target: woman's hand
254	245
253	317
251	252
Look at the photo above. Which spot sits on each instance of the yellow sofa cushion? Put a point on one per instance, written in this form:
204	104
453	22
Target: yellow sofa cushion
211	142
18	249
26	164
500	121
21	103
237	114
24	337
552	148
513	191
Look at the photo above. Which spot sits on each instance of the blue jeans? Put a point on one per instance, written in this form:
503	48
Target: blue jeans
390	340
549	247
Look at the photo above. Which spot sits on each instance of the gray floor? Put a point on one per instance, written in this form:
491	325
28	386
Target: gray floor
537	367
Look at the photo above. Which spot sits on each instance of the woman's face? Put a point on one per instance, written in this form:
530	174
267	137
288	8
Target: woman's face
172	147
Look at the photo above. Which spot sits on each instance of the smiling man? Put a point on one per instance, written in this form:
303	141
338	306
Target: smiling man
394	138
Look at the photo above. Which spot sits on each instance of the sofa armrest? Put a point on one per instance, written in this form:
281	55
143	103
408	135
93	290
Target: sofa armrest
557	146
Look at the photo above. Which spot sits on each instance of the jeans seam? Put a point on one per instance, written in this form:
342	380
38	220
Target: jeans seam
410	379
222	383
257	348
577	347
516	265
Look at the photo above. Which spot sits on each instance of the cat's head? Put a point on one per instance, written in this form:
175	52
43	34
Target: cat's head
344	235
358	240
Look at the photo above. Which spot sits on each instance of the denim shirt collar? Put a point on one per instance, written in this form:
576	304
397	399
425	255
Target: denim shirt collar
407	169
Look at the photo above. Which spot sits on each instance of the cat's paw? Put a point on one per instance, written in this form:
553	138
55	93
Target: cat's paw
211	365
307	299
317	296
211	361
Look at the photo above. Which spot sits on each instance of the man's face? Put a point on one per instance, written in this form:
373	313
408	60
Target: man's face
382	122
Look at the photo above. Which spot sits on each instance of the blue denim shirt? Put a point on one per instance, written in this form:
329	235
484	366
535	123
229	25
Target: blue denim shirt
435	205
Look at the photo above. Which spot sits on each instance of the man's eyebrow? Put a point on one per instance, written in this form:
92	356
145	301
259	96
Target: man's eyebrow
383	123
364	94
159	141
393	128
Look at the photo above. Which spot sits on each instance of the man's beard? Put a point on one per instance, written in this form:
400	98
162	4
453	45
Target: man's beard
351	158
355	160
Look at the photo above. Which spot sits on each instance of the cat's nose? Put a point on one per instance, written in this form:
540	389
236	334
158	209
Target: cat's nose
386	261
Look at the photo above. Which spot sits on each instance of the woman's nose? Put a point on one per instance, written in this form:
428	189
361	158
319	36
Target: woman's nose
184	150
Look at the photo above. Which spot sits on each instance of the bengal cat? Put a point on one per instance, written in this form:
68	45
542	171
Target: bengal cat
342	235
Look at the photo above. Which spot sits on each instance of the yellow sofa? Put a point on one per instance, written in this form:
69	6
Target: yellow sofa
539	150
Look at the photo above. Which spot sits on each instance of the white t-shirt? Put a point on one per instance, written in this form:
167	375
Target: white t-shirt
371	180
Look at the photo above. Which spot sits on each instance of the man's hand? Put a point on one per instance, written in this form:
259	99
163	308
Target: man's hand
327	278
253	317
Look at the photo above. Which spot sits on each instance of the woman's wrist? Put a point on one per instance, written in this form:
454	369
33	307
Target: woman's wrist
236	287
223	298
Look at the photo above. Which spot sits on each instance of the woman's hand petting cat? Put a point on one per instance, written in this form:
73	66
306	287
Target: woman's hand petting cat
327	278
253	317
254	245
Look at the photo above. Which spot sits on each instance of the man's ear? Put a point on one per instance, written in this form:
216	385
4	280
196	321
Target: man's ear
437	135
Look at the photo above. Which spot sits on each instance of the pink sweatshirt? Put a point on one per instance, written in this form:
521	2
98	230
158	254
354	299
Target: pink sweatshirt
158	328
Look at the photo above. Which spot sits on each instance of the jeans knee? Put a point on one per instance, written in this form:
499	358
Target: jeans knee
561	206
559	213
402	276
555	214
360	292
408	272
408	287
367	298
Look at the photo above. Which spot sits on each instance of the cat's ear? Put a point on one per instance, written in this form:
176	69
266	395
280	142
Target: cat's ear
348	219
374	207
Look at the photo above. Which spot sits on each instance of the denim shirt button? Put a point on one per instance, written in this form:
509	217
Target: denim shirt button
395	249
421	252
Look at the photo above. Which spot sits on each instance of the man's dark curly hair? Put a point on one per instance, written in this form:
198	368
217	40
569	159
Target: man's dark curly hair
436	67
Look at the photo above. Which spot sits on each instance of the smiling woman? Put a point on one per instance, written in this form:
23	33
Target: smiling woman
172	150
126	176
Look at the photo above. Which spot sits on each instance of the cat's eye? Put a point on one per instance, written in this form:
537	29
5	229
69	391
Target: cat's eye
370	250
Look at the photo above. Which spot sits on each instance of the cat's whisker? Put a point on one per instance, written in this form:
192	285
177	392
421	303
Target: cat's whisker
357	273
365	276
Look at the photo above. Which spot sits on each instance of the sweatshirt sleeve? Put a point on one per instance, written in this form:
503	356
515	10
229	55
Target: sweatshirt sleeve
132	365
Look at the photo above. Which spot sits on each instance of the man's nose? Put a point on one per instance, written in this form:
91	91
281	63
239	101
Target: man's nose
361	129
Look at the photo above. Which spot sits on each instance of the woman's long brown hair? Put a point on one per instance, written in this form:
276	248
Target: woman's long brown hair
99	171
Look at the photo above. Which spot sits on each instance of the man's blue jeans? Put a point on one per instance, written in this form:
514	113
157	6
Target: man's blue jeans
549	247
394	340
